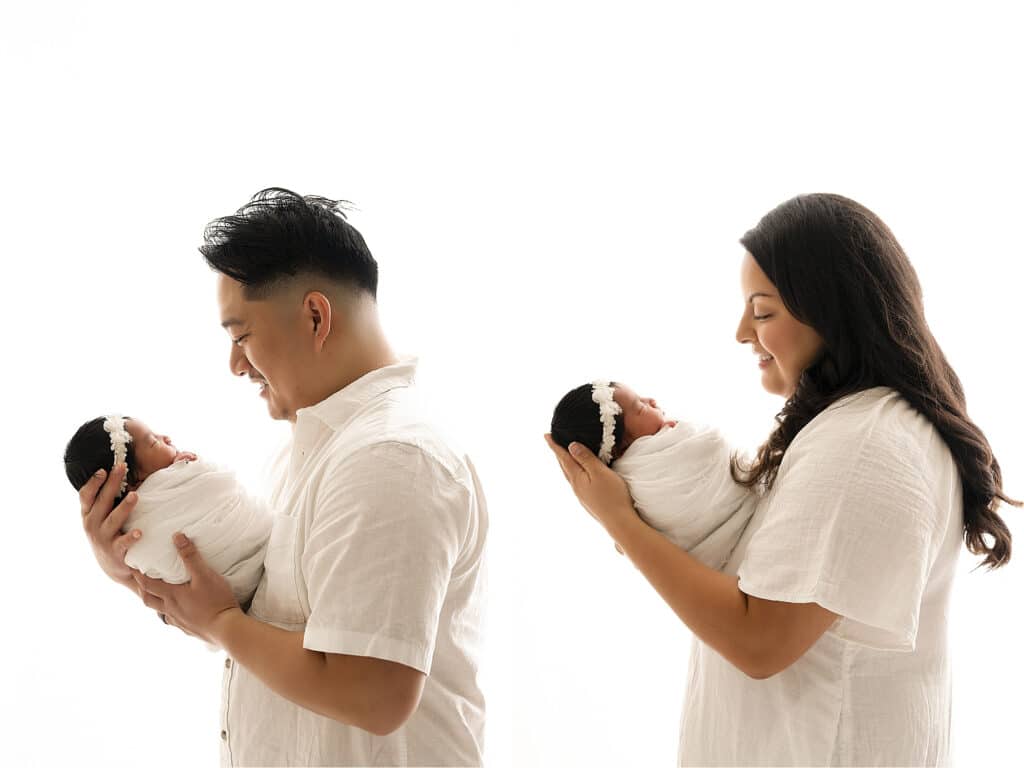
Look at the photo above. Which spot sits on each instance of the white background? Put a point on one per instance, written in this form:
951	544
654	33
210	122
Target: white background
554	194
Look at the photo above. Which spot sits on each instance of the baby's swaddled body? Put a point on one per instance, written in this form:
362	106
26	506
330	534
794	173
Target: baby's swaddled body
229	527
680	482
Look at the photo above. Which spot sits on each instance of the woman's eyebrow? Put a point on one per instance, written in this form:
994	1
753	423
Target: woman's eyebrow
750	298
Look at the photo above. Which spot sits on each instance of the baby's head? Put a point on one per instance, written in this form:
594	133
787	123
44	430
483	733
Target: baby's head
97	445
605	414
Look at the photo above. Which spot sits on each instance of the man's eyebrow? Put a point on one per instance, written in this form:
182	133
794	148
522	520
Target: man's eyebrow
230	321
750	298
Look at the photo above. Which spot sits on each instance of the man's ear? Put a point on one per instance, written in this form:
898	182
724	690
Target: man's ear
318	310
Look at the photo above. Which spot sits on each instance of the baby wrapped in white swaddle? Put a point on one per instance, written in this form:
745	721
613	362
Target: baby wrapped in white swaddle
230	528
677	472
176	492
680	483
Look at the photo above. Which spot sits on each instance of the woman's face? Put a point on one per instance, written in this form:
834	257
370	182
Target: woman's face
773	332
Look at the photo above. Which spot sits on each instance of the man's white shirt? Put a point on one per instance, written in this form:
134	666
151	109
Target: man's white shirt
377	549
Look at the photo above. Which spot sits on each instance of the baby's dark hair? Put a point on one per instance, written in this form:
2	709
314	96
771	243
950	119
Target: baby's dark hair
89	450
577	418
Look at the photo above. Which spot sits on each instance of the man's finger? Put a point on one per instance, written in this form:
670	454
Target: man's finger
121	544
187	552
156	587
119	515
104	500
87	493
151	601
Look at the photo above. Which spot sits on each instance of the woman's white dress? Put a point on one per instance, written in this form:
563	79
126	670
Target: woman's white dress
865	519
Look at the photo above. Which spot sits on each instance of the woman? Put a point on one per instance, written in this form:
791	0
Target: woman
823	640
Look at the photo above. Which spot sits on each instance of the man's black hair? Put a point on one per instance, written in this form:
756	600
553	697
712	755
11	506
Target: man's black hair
279	234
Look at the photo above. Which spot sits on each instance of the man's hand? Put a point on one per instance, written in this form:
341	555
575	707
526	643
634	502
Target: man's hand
103	526
195	606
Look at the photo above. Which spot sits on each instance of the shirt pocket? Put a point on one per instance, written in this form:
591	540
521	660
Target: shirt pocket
277	597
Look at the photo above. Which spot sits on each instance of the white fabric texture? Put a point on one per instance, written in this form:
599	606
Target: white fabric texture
377	550
229	527
680	483
865	519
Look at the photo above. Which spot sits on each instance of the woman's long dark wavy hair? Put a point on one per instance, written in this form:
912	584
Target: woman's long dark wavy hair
839	269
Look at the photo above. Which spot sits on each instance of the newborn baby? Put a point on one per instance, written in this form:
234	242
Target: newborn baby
677	472
177	492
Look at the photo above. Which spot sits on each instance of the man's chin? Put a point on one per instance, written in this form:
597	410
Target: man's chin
278	414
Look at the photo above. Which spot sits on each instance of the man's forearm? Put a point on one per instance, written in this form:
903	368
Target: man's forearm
708	602
276	657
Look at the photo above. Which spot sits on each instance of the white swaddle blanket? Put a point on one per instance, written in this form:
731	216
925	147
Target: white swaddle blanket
680	482
230	528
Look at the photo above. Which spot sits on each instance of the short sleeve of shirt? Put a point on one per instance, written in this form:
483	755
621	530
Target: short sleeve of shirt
385	534
850	524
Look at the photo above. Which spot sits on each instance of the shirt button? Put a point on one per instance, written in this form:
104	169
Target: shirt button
224	735
227	663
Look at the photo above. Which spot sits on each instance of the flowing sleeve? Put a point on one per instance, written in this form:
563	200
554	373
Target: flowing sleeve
851	524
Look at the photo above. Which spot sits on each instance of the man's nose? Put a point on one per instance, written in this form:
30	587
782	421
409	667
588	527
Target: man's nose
237	361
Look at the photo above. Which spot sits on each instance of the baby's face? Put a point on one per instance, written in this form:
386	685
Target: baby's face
153	452
641	415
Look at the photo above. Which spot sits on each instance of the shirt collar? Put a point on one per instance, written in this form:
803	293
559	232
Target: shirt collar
336	409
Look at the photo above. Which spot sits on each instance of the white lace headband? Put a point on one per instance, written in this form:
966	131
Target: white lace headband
119	439
603	395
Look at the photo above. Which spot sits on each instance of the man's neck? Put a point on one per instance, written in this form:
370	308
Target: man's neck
344	372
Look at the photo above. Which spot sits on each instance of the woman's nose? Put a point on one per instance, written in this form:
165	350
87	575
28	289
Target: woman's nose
743	330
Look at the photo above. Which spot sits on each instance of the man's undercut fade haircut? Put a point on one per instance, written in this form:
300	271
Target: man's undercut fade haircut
280	234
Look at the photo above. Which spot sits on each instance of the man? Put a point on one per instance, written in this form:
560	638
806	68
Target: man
360	644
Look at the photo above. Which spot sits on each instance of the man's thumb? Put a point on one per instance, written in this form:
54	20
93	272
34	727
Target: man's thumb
187	551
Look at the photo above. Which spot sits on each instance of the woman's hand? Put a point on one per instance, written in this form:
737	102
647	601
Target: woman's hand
103	526
599	489
195	606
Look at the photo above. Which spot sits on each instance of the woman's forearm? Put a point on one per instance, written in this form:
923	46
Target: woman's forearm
708	602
